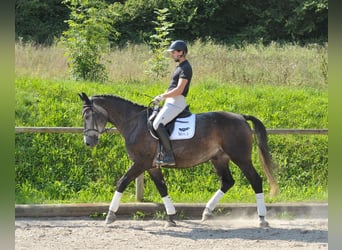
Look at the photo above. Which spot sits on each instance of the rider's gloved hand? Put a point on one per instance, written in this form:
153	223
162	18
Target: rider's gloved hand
157	99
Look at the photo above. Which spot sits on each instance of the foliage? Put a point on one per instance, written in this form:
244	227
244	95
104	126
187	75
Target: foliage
308	17
157	65
228	21
59	168
90	25
41	21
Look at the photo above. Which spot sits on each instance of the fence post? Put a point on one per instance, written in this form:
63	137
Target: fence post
139	187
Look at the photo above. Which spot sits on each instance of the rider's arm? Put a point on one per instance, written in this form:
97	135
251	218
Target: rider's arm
176	91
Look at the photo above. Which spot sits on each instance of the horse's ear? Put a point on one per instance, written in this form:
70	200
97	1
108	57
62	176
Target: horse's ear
80	95
85	98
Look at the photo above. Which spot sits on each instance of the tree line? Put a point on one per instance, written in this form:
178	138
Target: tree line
224	21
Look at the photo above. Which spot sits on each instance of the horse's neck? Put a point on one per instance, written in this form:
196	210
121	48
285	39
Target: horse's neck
122	114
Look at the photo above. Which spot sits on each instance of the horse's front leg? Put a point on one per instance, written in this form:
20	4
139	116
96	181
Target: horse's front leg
133	172
158	179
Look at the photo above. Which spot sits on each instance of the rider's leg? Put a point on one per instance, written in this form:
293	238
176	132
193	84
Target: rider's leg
164	138
169	111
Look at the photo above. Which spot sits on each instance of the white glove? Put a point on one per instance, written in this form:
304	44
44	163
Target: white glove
158	99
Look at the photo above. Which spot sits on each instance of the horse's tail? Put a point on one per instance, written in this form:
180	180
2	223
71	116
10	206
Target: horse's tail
264	155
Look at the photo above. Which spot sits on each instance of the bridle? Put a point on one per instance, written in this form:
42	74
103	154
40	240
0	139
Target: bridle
90	106
95	129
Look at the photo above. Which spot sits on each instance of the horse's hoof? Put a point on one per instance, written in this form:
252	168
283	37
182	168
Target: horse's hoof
110	218
207	214
170	222
263	223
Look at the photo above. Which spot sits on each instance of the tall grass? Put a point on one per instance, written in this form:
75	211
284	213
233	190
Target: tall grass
38	61
251	64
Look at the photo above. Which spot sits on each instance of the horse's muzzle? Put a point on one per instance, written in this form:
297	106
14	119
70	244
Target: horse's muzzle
91	141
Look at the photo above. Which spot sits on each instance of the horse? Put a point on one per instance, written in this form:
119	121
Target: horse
220	137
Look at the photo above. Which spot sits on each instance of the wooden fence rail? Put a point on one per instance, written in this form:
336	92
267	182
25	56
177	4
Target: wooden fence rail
139	182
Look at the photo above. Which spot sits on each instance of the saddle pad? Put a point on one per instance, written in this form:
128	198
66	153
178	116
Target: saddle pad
184	128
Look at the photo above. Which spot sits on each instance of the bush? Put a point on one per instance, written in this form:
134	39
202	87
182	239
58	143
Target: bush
86	39
157	66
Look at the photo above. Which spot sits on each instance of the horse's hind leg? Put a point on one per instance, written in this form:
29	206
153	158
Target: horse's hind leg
256	182
227	181
158	179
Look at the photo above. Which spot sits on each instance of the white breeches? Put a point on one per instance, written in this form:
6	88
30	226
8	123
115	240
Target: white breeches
172	107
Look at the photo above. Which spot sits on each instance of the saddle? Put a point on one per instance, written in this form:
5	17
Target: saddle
171	125
180	128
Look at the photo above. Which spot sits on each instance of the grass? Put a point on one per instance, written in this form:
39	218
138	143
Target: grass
252	64
254	80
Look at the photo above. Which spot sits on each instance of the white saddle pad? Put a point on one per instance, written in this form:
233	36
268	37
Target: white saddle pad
184	128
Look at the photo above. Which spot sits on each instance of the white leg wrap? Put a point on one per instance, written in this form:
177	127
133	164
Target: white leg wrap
261	204
170	209
214	200
114	205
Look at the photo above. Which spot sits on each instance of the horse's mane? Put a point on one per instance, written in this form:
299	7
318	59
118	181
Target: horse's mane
119	98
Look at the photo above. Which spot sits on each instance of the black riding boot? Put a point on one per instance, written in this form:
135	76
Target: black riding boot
164	138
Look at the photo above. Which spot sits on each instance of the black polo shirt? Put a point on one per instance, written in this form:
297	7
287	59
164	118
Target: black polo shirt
184	71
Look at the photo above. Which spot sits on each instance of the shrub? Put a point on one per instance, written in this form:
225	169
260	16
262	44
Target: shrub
157	65
87	38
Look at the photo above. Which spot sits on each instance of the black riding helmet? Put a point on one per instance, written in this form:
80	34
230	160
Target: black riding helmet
178	45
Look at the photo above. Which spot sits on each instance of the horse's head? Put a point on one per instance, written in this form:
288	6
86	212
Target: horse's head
95	119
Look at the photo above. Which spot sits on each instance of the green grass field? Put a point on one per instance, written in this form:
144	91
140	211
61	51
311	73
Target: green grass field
58	168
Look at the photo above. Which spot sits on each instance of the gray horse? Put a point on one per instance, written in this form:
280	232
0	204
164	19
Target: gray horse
220	137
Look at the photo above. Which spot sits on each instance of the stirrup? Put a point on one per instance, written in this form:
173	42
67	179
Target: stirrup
162	156
168	163
162	160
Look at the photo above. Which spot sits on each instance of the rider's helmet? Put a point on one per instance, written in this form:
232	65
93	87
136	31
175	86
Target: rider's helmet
178	45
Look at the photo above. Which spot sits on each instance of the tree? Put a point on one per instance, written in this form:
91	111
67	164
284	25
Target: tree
40	21
308	19
227	21
159	41
87	38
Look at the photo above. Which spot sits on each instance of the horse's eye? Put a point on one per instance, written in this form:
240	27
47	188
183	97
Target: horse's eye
86	114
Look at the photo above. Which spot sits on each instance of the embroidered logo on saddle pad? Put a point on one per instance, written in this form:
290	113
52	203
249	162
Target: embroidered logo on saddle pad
184	128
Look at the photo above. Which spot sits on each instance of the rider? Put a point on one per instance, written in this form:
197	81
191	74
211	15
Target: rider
174	98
